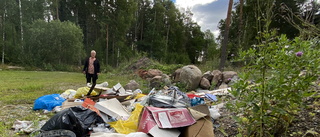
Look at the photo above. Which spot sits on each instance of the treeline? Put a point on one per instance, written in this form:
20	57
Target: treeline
252	18
62	32
53	33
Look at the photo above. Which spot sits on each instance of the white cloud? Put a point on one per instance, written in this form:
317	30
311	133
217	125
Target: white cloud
207	13
191	3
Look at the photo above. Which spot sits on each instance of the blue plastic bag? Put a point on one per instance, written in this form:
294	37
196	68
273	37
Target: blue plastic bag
197	101
48	102
211	97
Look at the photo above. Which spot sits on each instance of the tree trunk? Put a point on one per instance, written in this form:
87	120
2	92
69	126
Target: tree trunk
240	23
3	33
225	38
107	45
141	33
113	52
57	9
21	28
167	41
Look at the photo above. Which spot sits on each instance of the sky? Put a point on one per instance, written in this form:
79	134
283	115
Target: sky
207	13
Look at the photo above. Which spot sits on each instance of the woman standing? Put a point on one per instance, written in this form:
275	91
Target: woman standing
92	70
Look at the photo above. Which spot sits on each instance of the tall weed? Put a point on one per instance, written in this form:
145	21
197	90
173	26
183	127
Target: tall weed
269	105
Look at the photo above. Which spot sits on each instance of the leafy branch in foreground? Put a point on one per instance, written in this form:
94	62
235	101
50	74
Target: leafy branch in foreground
286	69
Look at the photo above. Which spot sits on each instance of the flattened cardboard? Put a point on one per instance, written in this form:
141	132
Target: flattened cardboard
171	117
203	127
67	104
147	124
113	108
88	103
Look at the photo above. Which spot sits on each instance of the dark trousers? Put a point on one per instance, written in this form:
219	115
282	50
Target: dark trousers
93	78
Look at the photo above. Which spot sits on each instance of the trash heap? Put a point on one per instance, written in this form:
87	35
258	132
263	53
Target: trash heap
115	111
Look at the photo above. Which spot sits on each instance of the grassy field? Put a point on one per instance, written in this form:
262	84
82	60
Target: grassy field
19	90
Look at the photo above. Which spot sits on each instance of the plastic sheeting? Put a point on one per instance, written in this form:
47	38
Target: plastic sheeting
77	119
48	102
130	125
174	99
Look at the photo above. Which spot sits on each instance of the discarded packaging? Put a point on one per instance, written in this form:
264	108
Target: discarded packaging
119	88
84	91
224	91
113	108
203	127
211	97
77	119
103	134
69	94
197	101
147	124
48	102
173	98
22	126
88	103
171	117
131	124
66	104
214	113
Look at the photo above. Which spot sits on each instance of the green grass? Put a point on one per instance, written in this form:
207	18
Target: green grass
19	90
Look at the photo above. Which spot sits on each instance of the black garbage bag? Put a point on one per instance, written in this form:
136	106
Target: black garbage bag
76	119
57	133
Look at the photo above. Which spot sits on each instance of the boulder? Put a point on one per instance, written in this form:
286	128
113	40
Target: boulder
217	78
166	80
176	75
223	85
204	83
132	85
155	82
191	76
228	75
154	72
142	73
208	75
158	81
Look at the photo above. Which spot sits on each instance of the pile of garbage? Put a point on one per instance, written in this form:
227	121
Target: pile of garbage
120	112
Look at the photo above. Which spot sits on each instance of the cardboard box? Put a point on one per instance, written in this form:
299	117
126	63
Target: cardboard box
147	124
67	104
171	117
203	127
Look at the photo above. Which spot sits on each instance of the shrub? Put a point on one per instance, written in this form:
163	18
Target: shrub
269	106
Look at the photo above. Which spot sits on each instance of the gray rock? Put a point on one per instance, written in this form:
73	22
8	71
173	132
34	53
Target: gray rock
176	75
155	82
166	80
204	83
132	85
208	75
223	85
217	78
154	72
191	76
228	75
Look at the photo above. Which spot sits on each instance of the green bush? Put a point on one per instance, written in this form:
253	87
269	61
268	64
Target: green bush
267	107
